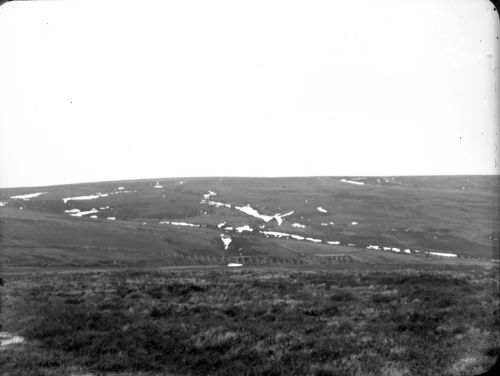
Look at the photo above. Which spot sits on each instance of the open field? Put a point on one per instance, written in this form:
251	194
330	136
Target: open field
257	321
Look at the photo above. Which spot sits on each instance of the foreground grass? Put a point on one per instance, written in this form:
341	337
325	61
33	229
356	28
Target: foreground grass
253	322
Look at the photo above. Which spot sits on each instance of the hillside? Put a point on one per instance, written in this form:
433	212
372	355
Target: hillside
204	220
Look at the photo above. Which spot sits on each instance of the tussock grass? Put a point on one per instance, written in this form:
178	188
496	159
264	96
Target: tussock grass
253	322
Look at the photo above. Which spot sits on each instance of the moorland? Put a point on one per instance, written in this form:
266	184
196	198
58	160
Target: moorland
251	276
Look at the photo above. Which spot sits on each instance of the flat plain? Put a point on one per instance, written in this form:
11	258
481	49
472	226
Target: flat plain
328	276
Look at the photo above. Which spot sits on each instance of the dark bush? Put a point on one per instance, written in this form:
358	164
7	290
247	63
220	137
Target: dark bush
421	324
330	310
73	300
446	301
158	312
381	298
492	351
123	291
155	292
343	296
233	311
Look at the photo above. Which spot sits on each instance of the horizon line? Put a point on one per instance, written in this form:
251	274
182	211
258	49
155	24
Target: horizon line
241	177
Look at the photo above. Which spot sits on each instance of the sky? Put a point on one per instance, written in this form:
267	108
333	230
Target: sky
111	90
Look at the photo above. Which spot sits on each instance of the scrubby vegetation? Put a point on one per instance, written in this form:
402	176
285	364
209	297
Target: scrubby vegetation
253	322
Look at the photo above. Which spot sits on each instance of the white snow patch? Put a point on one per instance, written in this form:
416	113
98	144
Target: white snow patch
228	228
218	204
352	182
220	225
376	247
244	228
298	225
297	237
94	216
206	196
247	209
184	224
119	192
276	234
27	196
178	224
7	339
234	265
3	203
78	213
443	254
120	188
158	185
354	223
351	245
320	209
226	240
386	248
89	197
279	217
396	250
254	213
407	251
314	240
112	218
333	242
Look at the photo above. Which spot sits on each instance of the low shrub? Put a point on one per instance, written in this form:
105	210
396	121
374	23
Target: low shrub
254	322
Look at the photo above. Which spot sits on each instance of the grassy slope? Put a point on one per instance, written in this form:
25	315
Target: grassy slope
442	216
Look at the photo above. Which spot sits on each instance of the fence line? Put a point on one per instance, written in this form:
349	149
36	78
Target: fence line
177	258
